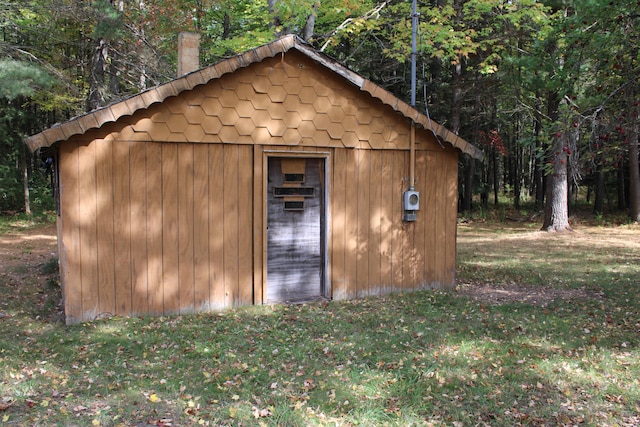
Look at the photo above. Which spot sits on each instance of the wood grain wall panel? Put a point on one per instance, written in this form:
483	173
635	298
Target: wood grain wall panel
230	215
122	227
138	197
170	274
258	225
88	231
185	227
386	220
450	205
154	235
69	216
337	205
351	224
201	227
245	230
363	218
420	273
440	218
105	226
428	215
216	226
397	229
408	255
375	222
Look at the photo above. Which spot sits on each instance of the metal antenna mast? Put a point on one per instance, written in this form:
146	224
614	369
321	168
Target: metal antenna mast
414	49
411	198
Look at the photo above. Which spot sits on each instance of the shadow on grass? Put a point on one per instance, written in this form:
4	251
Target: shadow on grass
427	358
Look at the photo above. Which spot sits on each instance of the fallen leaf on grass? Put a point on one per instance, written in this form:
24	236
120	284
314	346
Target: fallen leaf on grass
233	412
5	404
261	413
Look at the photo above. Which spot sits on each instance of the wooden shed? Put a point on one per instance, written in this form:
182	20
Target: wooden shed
274	176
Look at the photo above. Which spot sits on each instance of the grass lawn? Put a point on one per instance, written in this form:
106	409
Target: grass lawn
542	330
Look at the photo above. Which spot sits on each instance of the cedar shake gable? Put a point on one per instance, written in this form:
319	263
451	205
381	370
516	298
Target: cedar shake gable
146	99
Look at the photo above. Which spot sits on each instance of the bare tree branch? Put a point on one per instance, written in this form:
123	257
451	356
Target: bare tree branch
372	14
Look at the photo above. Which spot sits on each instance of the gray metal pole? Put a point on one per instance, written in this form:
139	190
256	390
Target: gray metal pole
414	49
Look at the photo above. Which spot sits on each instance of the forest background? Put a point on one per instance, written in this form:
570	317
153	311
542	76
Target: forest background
548	89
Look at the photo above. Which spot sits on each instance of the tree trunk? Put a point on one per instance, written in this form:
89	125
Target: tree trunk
495	176
307	31
97	79
598	204
634	174
556	212
226	26
517	176
456	101
484	192
25	179
469	166
538	166
276	22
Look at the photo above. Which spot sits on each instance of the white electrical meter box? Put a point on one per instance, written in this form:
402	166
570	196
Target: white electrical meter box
411	200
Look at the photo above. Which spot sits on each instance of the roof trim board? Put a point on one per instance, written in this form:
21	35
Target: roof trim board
129	106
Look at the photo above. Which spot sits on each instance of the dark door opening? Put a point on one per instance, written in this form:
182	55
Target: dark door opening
295	229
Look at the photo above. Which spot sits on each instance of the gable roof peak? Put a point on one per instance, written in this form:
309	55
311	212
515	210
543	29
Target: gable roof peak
111	113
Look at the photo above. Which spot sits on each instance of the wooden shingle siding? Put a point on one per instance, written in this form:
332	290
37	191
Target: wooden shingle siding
296	103
289	45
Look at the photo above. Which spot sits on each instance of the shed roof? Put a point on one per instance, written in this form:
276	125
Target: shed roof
111	113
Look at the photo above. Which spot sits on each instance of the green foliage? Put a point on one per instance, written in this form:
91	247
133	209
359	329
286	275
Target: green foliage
233	27
109	23
10	189
22	79
20	82
293	14
504	62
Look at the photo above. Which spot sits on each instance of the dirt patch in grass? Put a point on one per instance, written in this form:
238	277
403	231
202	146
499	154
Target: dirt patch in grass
533	255
28	264
25	255
504	294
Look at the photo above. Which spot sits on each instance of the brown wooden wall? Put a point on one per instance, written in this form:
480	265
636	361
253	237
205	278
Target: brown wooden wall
155	228
163	212
372	250
176	228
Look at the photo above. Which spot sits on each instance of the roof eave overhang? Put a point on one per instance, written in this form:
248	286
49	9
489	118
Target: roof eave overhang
143	100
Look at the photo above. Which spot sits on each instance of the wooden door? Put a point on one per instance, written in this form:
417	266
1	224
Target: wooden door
295	229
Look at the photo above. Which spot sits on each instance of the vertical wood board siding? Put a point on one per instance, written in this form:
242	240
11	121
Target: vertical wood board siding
201	234
88	231
105	227
216	227
154	223
138	219
70	233
143	228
